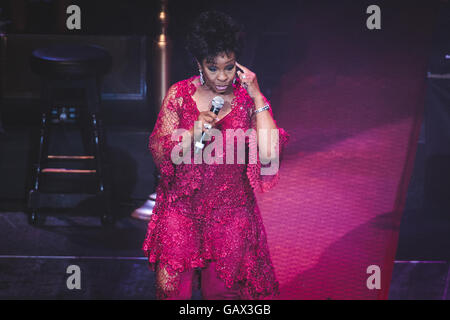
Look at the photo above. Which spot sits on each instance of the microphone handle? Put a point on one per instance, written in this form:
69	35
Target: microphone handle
216	112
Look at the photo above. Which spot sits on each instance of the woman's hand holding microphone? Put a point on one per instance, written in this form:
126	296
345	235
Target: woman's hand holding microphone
207	119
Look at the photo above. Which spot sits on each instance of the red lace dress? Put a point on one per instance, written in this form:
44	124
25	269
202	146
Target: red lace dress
205	211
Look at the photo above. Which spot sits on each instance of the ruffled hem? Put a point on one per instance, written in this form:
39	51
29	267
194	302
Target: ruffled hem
250	289
157	256
254	277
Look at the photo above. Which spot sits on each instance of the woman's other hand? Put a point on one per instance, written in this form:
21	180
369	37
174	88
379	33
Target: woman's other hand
249	81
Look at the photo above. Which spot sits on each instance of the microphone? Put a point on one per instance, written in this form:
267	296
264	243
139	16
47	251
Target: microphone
217	104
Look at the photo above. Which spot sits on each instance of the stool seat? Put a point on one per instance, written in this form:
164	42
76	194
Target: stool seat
70	61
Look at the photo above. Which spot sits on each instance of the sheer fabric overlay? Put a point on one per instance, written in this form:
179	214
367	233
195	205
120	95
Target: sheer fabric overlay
208	212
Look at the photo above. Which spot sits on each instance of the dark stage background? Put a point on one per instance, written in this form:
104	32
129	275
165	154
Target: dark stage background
368	162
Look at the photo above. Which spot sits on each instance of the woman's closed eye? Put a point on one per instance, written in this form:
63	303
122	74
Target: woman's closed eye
214	69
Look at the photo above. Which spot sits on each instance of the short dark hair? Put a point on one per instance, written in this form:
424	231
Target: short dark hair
214	32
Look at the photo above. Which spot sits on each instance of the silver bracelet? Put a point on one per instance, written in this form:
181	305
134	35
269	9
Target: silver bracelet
266	107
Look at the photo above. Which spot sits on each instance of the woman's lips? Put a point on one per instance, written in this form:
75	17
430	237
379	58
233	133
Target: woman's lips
220	88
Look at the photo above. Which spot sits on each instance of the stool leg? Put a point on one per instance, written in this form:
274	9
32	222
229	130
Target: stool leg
42	152
103	180
33	195
46	101
98	153
93	98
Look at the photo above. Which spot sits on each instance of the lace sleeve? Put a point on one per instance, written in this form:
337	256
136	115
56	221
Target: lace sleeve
160	141
264	177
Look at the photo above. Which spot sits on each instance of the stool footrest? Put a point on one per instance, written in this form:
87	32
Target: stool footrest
71	157
62	170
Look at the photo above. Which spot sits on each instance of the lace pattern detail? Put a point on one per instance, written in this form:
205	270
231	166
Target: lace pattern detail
208	212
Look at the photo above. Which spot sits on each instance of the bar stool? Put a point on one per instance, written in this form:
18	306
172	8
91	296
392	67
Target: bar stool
68	67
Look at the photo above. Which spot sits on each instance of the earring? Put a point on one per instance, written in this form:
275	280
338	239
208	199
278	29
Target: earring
234	80
202	79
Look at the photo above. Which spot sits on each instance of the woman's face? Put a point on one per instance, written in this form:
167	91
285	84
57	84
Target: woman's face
219	73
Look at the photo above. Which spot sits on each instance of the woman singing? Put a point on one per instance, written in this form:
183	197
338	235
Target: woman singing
206	216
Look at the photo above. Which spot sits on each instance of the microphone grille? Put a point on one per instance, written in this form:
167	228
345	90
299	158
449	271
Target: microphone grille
218	102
